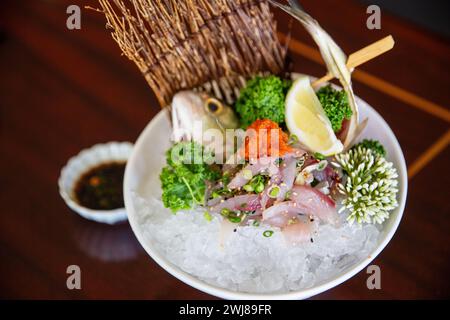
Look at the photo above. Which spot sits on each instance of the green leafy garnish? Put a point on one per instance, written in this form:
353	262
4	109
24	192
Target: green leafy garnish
374	145
225	178
262	98
183	179
335	104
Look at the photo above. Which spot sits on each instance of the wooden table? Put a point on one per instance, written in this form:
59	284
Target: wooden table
62	91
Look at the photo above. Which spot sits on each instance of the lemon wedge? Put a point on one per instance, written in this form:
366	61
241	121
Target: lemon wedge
306	119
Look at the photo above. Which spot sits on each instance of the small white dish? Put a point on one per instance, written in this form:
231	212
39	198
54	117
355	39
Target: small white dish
80	164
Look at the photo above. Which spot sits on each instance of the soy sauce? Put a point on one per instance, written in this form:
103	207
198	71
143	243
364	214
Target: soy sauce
101	188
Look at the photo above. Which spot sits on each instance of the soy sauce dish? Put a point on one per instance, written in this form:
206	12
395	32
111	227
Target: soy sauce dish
91	183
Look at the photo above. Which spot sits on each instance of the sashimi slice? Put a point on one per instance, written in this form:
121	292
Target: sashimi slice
245	202
299	232
312	202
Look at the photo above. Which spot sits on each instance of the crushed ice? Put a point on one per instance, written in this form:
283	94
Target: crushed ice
248	261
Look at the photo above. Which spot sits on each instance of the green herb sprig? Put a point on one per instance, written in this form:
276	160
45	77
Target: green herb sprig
374	145
335	104
182	179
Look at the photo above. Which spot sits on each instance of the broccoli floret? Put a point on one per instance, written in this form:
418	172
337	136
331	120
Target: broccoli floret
374	145
336	106
262	98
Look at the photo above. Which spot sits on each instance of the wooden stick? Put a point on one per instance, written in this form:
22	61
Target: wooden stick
361	56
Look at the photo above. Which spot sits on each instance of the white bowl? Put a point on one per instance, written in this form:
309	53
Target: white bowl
80	164
148	158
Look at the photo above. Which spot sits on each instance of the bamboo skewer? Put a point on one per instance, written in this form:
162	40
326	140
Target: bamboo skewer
361	56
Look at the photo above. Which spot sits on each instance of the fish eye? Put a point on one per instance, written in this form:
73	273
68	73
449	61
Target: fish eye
213	105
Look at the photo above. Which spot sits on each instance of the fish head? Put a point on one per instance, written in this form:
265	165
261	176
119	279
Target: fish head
223	114
189	107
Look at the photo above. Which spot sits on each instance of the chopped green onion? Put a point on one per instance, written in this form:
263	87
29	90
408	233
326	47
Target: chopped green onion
322	165
247	174
235	219
220	192
207	216
292	139
256	184
225	212
319	156
259	187
268	233
256	223
288	195
274	191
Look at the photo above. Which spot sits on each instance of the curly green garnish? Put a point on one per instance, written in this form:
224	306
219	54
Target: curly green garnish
374	145
183	178
336	106
262	98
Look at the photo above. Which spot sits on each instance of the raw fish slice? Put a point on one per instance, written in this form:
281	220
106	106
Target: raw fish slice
299	232
261	165
279	214
288	171
304	200
285	215
244	202
312	202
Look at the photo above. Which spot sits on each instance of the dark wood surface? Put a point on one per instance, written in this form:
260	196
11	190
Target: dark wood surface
62	91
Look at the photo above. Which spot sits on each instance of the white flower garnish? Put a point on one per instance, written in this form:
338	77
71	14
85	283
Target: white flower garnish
370	187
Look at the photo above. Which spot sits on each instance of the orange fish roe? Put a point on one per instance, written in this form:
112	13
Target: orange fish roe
258	142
